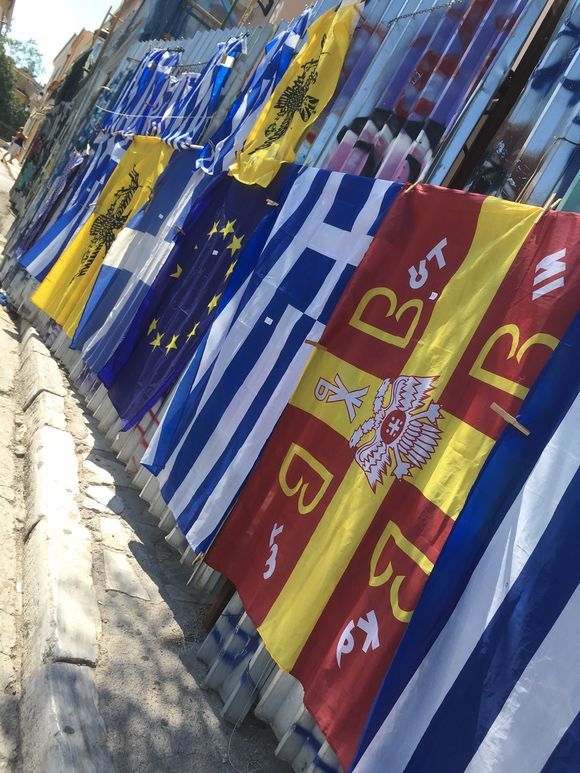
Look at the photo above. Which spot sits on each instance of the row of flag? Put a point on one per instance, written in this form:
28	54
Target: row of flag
339	356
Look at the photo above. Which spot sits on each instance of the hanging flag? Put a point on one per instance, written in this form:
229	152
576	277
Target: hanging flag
182	302
52	197
458	304
298	100
183	124
494	640
134	260
248	372
64	292
141	95
42	255
219	152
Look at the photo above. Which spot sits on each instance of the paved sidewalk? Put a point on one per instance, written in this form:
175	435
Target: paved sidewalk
157	715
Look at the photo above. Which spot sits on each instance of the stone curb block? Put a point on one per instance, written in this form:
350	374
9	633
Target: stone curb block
46	410
61	726
39	374
60	613
52	481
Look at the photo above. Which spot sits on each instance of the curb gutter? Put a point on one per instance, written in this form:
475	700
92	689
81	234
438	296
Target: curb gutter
61	728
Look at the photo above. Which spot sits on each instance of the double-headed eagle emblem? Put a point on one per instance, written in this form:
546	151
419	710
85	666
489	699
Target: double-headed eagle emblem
403	433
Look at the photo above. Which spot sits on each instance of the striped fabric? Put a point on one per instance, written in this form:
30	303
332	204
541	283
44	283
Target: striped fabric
321	233
140	98
185	126
487	677
220	151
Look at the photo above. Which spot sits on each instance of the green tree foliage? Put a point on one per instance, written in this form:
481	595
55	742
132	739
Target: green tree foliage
26	55
12	113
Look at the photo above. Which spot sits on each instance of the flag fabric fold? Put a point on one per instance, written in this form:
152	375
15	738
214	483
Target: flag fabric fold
134	260
492	643
183	300
182	125
66	288
41	256
219	152
454	308
298	100
254	353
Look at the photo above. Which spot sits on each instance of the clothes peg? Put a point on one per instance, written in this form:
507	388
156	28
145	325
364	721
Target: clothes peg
316	345
410	188
510	419
272	203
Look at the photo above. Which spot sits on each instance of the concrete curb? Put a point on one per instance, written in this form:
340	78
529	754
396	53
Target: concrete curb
61	727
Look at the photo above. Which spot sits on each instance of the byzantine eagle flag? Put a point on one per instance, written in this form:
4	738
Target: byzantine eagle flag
494	640
66	288
300	97
456	307
42	255
255	352
183	300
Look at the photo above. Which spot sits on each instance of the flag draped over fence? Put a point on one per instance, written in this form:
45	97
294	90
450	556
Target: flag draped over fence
134	260
488	676
321	233
299	98
66	288
219	152
183	123
183	300
458	304
40	258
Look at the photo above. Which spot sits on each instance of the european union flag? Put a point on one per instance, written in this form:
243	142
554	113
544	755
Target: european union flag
182	302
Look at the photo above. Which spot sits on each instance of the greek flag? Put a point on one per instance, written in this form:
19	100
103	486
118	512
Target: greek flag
250	361
125	277
136	83
53	196
140	98
220	150
184	127
487	677
40	258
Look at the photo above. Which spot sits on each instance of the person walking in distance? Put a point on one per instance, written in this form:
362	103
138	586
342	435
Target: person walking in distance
16	146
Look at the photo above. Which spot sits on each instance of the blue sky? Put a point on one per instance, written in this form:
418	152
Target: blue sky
52	22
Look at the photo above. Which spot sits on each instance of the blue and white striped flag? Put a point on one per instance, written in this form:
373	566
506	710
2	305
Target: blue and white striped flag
40	258
144	94
134	260
252	357
220	151
487	677
193	111
136	82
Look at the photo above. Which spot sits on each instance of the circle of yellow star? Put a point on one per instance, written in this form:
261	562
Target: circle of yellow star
228	228
230	270
235	244
214	302
172	344
214	228
157	340
193	331
152	326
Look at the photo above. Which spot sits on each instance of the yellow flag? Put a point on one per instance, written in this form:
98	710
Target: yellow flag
66	288
298	100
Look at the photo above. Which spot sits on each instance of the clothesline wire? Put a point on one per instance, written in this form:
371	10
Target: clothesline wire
129	115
